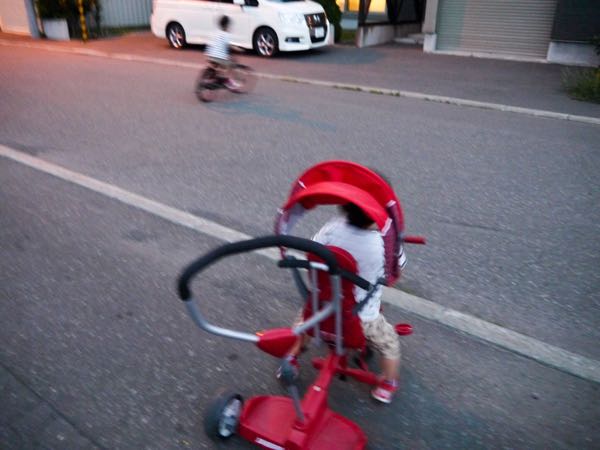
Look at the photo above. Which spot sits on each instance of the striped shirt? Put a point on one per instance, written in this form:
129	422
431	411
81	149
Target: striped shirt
219	47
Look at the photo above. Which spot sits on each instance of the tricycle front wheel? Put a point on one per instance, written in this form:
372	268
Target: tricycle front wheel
222	416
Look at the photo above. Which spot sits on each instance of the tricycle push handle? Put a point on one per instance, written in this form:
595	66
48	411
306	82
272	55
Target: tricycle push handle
213	256
292	263
276	341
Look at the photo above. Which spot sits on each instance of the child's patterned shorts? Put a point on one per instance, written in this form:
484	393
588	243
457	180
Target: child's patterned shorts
382	337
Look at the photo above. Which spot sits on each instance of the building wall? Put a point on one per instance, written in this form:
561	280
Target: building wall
14	17
573	24
513	28
18	16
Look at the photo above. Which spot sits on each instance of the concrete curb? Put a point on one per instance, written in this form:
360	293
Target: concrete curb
558	358
441	99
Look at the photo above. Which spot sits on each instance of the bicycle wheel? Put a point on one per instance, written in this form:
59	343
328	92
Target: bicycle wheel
207	85
245	77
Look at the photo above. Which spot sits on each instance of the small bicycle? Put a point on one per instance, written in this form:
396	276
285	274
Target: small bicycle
211	80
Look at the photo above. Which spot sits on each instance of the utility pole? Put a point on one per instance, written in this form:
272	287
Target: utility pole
84	34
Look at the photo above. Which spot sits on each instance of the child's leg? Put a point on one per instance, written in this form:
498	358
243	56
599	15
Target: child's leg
302	341
294	351
390	368
382	336
221	66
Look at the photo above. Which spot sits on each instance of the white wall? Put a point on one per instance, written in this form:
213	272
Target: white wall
573	53
13	16
369	35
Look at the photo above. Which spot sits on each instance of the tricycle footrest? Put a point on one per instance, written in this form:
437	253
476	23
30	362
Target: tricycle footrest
335	431
268	421
267	418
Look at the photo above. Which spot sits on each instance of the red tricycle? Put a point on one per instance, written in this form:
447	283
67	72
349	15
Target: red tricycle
330	314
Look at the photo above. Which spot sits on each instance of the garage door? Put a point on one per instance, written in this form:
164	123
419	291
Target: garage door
510	27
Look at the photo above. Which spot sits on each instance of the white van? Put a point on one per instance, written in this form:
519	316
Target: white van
267	26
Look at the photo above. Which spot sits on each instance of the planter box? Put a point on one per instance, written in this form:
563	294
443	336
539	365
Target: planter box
56	29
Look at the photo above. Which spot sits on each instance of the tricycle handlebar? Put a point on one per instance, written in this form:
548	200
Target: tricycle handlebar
414	240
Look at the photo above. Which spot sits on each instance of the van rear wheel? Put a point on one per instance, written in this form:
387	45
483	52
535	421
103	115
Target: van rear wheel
265	42
176	35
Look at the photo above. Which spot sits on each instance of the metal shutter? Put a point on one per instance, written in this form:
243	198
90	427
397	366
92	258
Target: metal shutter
123	13
511	27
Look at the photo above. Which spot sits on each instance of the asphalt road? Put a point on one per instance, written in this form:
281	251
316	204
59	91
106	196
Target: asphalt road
100	352
399	67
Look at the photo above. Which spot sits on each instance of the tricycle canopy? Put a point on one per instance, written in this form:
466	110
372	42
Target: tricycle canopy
339	182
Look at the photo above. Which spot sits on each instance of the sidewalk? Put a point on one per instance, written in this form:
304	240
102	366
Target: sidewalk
393	66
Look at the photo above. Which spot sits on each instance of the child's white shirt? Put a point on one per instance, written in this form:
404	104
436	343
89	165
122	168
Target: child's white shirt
219	46
366	247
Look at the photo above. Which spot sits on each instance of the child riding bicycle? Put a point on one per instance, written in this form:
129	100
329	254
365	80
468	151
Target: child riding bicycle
217	52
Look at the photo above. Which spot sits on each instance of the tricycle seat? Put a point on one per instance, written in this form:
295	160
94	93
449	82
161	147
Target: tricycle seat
353	336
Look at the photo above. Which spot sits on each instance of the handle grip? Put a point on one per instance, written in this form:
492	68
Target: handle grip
414	240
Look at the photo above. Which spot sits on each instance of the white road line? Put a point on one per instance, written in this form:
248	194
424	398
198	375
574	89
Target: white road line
547	354
345	86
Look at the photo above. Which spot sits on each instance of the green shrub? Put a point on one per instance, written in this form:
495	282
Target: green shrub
596	43
334	15
583	84
348	36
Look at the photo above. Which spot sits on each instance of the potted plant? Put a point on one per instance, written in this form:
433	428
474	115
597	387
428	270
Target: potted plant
53	14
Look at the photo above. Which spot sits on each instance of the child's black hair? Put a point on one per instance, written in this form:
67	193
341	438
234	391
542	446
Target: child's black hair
356	216
224	22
